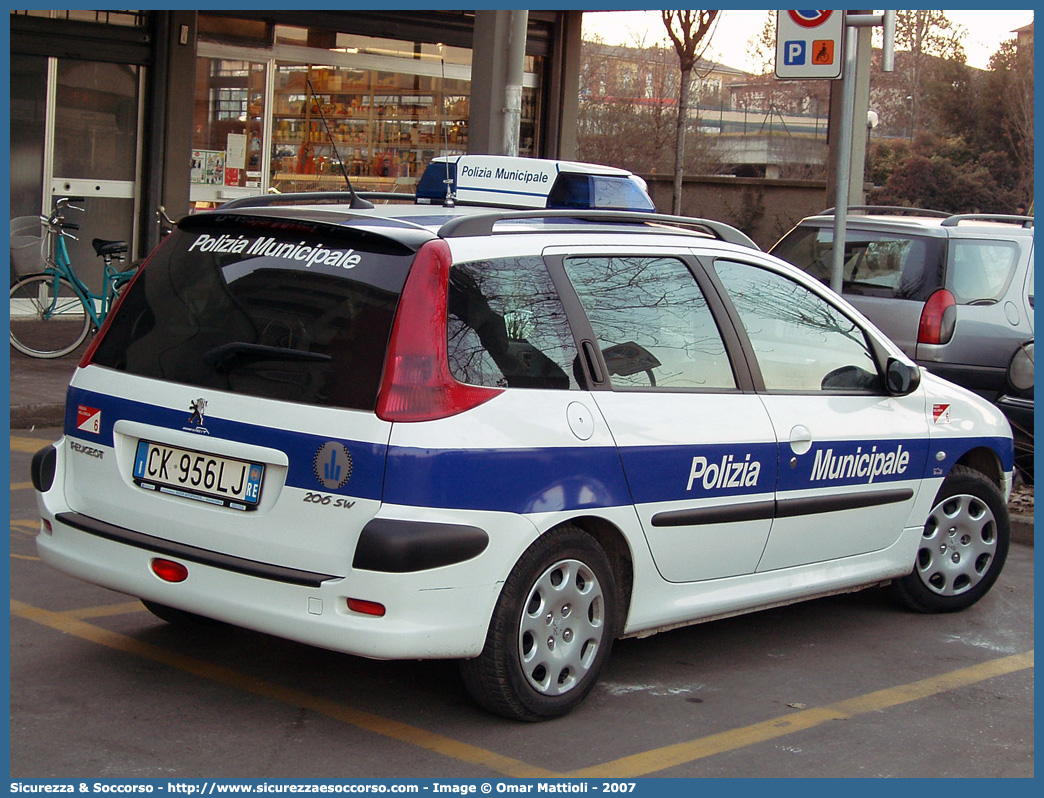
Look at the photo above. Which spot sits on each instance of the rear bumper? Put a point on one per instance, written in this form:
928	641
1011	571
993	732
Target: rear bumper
423	619
418	624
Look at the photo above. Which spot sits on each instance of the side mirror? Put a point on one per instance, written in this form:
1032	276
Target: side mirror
901	379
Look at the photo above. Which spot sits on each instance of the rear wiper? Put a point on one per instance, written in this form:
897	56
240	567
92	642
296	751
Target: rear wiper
220	358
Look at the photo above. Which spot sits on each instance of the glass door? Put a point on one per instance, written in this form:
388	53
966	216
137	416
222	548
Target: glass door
93	151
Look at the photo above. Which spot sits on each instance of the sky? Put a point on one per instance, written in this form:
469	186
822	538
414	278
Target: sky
728	44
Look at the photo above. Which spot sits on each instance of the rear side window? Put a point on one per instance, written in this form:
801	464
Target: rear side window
270	308
507	328
980	271
887	265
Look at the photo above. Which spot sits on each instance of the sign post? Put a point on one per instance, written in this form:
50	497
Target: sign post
815	44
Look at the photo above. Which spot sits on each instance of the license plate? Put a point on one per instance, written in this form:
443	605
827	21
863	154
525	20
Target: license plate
208	478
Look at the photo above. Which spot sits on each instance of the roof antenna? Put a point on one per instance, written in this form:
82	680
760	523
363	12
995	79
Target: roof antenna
450	200
357	201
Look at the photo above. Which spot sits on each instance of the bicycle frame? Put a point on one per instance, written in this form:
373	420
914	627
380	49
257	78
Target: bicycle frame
59	265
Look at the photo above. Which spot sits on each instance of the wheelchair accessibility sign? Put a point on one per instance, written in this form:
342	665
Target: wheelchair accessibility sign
808	44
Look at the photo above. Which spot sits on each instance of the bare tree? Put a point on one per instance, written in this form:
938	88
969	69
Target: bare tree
686	30
927	37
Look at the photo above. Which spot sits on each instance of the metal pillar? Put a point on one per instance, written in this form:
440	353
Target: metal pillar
498	61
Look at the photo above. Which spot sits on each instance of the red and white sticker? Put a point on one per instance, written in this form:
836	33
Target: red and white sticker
941	414
88	419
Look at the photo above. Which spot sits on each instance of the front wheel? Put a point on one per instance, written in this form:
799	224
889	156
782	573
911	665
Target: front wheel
48	318
963	546
551	630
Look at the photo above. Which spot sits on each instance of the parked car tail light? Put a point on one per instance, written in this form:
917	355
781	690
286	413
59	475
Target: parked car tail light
937	318
417	383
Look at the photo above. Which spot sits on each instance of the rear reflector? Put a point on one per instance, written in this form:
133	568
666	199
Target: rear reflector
169	571
366	607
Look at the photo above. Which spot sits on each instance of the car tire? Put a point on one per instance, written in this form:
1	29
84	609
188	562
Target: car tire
963	546
551	630
177	617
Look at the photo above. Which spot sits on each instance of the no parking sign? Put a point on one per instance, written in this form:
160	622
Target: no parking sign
808	44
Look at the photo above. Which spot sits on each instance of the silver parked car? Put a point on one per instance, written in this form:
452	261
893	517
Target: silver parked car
955	292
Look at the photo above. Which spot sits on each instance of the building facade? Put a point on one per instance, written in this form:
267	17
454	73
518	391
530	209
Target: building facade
134	110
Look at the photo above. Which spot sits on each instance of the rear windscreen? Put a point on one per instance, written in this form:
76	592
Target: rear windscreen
889	265
270	308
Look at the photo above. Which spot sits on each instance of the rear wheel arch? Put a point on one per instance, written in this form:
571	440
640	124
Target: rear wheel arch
621	559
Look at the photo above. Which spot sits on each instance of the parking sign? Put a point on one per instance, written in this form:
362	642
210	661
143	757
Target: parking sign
808	44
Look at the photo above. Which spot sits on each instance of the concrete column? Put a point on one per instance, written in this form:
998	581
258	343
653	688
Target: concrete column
497	65
177	123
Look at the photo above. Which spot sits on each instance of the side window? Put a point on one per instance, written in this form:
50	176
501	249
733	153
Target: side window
652	323
506	326
801	341
980	270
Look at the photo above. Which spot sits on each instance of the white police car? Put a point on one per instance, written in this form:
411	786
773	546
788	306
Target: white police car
506	437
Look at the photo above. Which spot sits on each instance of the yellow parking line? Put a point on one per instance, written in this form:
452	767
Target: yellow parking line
21	485
106	610
673	755
395	730
641	764
27	445
24	557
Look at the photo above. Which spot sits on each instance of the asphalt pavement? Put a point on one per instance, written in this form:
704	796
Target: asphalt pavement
38	400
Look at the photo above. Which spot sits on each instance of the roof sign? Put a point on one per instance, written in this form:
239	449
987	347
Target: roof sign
506	181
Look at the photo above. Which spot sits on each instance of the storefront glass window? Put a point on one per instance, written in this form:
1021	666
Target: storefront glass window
371	109
383	127
228	128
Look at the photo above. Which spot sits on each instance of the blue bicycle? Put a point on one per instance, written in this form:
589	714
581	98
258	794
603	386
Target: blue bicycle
53	311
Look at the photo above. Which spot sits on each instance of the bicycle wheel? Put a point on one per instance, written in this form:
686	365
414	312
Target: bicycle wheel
48	318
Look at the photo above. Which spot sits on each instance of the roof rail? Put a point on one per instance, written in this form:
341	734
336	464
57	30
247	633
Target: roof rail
299	198
869	210
387	195
957	218
482	224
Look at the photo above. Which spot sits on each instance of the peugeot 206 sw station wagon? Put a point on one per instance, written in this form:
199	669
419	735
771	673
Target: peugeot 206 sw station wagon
507	438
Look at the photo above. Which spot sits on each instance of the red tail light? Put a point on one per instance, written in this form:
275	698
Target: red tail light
937	318
417	384
88	356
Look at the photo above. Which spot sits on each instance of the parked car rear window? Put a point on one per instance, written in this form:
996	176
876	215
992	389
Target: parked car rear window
275	309
889	265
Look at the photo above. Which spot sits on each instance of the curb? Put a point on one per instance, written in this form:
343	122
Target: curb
50	414
1022	530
